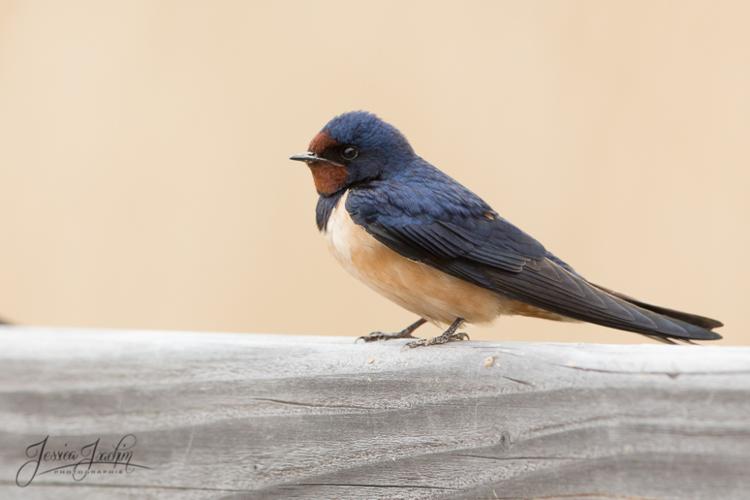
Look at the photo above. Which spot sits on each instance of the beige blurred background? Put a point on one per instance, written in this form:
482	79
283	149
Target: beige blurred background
144	180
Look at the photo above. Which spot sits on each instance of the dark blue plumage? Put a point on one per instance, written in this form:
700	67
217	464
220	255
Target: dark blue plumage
421	213
424	206
325	207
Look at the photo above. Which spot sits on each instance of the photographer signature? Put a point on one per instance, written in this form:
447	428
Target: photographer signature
81	462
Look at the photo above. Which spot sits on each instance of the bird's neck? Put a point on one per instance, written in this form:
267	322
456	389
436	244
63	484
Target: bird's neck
325	206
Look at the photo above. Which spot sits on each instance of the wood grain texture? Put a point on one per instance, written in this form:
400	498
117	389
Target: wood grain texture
259	416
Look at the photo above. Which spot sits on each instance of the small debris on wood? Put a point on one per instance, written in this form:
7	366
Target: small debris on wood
489	361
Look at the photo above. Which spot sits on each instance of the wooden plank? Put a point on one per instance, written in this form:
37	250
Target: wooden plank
263	416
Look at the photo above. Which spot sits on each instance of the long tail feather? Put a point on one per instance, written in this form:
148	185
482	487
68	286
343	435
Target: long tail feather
693	319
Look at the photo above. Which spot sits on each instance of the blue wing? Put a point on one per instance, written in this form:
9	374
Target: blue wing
430	218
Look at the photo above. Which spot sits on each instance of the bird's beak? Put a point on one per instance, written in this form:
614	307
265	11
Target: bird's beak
312	157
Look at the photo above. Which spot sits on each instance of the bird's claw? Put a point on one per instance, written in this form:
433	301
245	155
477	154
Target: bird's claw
375	336
440	339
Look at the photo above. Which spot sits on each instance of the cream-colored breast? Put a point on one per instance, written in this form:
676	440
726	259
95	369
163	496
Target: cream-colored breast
417	287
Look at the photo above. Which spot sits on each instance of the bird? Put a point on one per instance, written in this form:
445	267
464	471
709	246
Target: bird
420	238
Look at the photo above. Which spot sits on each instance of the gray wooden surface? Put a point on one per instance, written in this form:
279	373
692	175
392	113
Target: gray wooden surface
262	416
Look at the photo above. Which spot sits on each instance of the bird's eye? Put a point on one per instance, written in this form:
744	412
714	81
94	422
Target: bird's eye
349	153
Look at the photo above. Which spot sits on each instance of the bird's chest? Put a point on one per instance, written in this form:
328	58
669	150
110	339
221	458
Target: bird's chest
353	248
417	287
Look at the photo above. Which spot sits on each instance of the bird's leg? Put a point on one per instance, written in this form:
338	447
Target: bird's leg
406	333
448	336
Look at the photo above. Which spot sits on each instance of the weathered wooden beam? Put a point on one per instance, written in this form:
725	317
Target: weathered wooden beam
263	416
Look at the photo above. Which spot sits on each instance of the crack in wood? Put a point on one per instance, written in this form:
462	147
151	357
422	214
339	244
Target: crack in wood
370	485
313	405
490	457
518	381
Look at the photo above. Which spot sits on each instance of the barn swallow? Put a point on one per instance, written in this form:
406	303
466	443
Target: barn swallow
424	241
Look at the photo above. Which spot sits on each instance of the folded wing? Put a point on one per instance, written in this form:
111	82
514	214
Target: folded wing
494	254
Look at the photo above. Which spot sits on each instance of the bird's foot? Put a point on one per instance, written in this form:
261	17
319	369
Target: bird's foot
406	333
440	339
375	336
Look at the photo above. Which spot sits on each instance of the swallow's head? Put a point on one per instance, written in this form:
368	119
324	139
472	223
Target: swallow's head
353	148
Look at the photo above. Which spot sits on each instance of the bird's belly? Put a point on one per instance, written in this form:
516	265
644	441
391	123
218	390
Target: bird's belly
417	287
